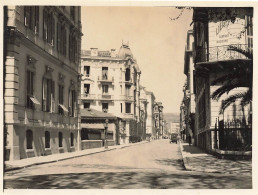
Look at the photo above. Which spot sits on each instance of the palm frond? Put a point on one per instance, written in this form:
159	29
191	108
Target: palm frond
224	89
231	99
246	53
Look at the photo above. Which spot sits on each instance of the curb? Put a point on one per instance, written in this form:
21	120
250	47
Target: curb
67	158
191	168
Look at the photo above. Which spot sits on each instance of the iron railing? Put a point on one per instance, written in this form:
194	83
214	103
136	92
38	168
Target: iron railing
221	53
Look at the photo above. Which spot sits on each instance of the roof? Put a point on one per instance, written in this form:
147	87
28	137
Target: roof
124	51
92	113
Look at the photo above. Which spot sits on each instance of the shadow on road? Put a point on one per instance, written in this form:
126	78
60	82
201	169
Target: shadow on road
129	180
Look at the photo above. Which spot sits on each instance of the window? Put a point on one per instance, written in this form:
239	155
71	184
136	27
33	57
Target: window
86	105
72	140
48	27
249	33
31	18
47	139
48	104
104	89
105	73
30	88
61	38
72	103
127	90
86	89
60	99
121	105
87	71
72	12
128	107
29	139
105	107
73	47
121	89
127	74
60	139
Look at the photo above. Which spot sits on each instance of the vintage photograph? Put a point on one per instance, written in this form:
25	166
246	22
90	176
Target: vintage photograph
127	97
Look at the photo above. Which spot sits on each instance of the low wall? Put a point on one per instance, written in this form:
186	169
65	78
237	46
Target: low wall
110	142
232	154
87	144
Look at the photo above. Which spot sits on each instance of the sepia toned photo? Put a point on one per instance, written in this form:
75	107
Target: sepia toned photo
127	97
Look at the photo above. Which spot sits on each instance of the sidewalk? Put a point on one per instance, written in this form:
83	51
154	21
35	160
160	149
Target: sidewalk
23	163
197	160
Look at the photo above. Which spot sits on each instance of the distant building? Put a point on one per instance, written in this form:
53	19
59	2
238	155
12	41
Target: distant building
174	127
41	86
150	122
158	118
111	84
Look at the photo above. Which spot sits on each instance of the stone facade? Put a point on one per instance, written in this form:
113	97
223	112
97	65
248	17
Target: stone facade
36	122
111	83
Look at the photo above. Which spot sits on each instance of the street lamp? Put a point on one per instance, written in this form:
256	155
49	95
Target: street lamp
105	132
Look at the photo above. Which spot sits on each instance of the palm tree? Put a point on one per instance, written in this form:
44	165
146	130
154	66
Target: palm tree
240	76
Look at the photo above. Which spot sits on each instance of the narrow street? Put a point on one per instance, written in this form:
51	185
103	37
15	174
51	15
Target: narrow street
157	164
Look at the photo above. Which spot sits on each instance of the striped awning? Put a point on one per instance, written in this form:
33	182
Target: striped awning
34	100
63	107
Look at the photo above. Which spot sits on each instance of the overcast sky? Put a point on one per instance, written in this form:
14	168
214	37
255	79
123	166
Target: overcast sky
156	42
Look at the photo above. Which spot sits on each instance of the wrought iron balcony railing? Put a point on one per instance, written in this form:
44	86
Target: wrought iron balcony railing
128	97
106	97
105	79
88	96
221	53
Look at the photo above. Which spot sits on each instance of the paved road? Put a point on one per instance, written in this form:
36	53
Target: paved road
157	164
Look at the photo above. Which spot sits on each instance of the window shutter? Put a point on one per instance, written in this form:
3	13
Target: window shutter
32	18
53	95
43	94
36	19
70	47
45	21
64	42
53	30
69	102
58	36
26	15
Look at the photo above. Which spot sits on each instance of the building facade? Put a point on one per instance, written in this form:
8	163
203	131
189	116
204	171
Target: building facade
188	102
150	122
41	80
215	32
111	83
158	118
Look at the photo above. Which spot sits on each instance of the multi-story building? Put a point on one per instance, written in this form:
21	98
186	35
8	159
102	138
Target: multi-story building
158	117
216	30
188	90
110	83
143	111
42	65
150	122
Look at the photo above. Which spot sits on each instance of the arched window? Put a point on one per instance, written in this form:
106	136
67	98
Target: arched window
29	139
72	139
127	74
47	139
60	138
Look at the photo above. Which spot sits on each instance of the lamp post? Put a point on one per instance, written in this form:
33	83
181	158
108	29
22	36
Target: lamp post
106	130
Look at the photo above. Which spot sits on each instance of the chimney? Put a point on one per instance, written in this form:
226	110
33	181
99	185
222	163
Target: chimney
94	51
113	53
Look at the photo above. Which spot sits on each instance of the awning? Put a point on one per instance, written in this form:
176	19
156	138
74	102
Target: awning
92	126
63	107
34	100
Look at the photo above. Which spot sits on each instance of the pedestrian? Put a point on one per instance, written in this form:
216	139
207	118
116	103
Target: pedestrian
189	139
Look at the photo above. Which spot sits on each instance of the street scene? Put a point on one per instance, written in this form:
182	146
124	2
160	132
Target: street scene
128	97
155	165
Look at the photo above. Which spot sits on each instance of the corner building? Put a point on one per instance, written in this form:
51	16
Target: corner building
41	80
110	83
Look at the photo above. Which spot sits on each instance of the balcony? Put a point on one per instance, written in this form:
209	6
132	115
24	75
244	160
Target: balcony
128	82
220	53
127	97
106	97
88	96
105	79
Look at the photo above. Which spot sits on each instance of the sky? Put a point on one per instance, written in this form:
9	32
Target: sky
157	43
